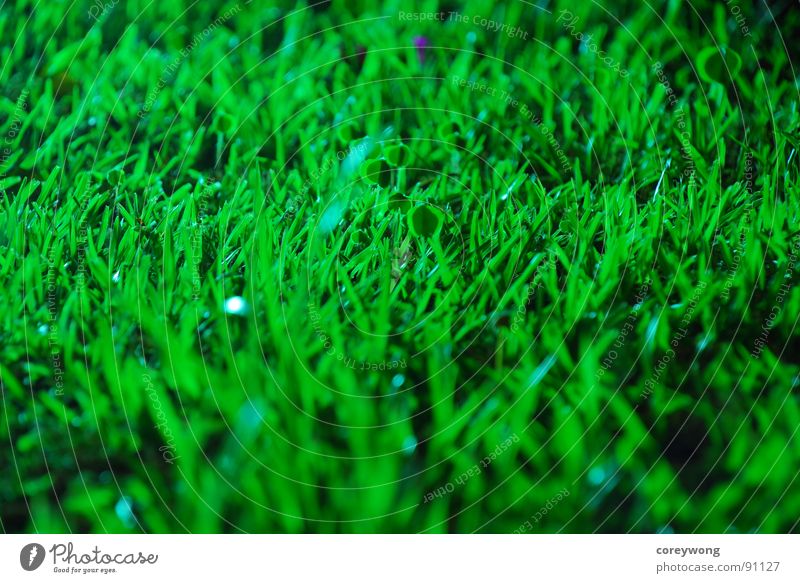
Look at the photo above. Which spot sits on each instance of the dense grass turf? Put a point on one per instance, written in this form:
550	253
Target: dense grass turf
337	269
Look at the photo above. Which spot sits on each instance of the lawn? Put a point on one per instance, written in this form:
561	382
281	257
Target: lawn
399	267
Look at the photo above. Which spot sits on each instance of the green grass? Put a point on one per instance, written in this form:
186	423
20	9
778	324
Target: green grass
289	277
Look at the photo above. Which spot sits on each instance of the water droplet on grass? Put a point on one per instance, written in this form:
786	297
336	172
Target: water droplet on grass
236	305
398	380
542	370
596	476
124	510
116	277
331	217
650	334
409	445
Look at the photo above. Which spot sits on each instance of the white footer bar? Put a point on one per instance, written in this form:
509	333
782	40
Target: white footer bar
400	558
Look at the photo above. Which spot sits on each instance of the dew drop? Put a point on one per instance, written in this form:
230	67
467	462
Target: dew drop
124	510
409	445
596	476
236	305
